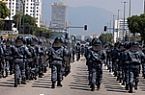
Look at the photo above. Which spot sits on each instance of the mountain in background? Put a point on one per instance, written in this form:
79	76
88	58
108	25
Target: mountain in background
94	17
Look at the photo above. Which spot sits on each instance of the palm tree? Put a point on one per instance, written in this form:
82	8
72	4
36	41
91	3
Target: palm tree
4	11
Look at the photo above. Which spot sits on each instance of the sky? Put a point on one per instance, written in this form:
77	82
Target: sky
110	5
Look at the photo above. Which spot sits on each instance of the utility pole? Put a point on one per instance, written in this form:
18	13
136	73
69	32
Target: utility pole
144	6
124	20
113	27
130	5
110	25
130	8
118	22
23	6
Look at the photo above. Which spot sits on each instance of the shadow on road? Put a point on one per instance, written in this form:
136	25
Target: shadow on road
44	82
80	80
111	84
7	83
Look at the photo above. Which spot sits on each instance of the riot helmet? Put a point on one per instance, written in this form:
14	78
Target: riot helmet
96	42
19	41
58	40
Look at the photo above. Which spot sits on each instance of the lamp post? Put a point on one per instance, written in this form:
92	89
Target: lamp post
144	6
124	18
130	8
23	4
113	28
118	22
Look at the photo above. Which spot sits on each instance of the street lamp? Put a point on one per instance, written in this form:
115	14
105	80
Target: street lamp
144	6
23	3
130	8
118	21
113	27
124	19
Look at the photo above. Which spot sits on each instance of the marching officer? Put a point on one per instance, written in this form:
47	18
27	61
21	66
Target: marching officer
133	58
95	60
20	53
78	51
56	58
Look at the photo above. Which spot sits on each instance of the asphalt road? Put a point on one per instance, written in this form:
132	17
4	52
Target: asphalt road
75	83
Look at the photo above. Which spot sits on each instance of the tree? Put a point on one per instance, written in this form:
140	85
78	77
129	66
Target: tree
1	24
17	20
136	24
4	11
106	37
133	24
26	21
42	32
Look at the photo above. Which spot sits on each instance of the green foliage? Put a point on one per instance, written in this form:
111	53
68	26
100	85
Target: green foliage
30	26
28	21
106	37
42	32
136	24
4	11
1	24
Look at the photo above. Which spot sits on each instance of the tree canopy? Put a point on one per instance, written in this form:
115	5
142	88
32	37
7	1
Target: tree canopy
27	21
106	37
4	11
136	24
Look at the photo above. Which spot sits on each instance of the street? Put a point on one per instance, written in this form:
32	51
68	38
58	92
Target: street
75	83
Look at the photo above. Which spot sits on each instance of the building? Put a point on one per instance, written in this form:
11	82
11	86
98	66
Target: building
31	7
121	30
11	4
58	17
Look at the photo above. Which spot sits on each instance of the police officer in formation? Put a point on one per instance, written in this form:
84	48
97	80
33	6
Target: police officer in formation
78	51
56	61
95	59
129	60
133	59
20	54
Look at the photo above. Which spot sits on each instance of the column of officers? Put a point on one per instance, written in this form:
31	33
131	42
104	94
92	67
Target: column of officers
23	57
124	60
28	58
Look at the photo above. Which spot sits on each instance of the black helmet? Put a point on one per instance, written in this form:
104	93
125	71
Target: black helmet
78	43
121	44
19	38
58	39
134	44
96	42
29	41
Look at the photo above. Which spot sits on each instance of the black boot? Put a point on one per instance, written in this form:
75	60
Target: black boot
23	81
92	87
126	87
136	85
59	84
98	86
130	88
53	85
